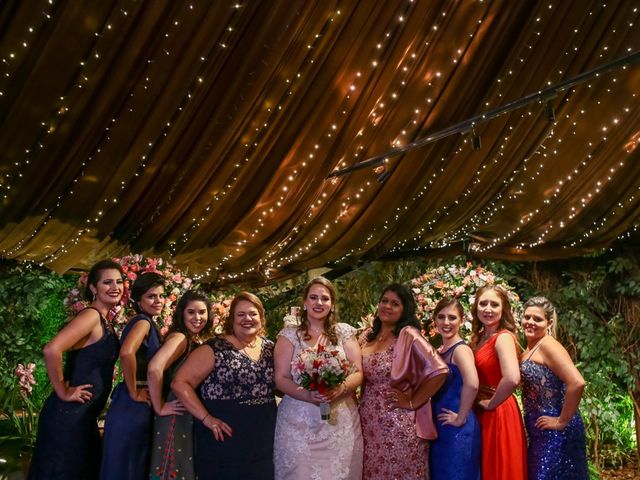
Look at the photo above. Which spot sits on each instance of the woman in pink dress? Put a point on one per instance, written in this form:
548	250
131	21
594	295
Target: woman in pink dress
401	373
496	350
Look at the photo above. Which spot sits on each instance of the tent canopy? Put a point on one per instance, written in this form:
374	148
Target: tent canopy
205	131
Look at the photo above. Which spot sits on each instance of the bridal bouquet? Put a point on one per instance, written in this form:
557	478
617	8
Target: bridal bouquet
320	369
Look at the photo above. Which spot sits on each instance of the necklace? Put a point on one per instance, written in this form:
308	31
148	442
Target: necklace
247	344
383	338
316	331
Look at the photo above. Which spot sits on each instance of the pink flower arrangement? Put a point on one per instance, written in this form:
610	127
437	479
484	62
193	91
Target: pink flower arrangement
26	380
460	282
220	311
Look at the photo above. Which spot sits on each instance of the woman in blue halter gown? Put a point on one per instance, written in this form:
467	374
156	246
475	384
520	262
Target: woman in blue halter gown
68	442
455	454
551	390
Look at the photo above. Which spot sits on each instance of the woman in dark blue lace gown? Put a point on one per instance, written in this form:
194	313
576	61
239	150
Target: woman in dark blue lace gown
68	442
551	390
234	410
127	429
456	453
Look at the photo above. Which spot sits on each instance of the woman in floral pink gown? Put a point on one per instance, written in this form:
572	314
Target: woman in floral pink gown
401	373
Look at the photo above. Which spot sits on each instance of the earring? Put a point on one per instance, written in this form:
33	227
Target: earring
304	307
94	296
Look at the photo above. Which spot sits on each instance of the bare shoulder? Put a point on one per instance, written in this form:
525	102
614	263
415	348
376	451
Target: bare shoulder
462	353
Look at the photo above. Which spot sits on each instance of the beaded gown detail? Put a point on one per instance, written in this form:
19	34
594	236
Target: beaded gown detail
552	454
504	448
127	429
68	442
391	446
309	448
455	454
240	392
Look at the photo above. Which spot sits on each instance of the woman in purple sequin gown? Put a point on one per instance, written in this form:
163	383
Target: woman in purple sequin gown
551	390
401	373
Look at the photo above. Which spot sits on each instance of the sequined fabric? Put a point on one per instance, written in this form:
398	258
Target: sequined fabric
392	450
552	454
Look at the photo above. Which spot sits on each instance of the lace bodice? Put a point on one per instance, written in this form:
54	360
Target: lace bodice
237	377
542	390
307	446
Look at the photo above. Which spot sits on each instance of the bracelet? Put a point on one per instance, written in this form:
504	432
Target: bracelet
204	418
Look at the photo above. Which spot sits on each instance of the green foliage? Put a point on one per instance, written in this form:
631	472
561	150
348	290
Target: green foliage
361	288
604	344
608	417
31	312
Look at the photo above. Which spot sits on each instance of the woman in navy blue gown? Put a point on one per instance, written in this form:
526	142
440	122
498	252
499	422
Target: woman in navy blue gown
235	408
68	442
456	453
551	390
127	430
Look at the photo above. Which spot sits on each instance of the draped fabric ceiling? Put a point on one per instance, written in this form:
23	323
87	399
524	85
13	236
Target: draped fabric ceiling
205	130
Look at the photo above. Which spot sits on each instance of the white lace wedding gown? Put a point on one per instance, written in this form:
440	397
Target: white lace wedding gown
309	448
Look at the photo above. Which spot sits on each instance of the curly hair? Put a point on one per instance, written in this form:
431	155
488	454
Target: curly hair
329	324
178	324
549	311
247	297
407	317
506	320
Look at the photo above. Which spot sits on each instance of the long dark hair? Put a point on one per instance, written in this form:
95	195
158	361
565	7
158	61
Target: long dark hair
96	272
178	324
143	284
506	320
329	324
408	316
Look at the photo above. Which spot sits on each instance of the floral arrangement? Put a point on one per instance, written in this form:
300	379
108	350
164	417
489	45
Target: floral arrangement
220	310
460	282
20	408
133	265
292	319
321	369
26	380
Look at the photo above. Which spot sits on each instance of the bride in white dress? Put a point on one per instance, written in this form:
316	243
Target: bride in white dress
307	447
